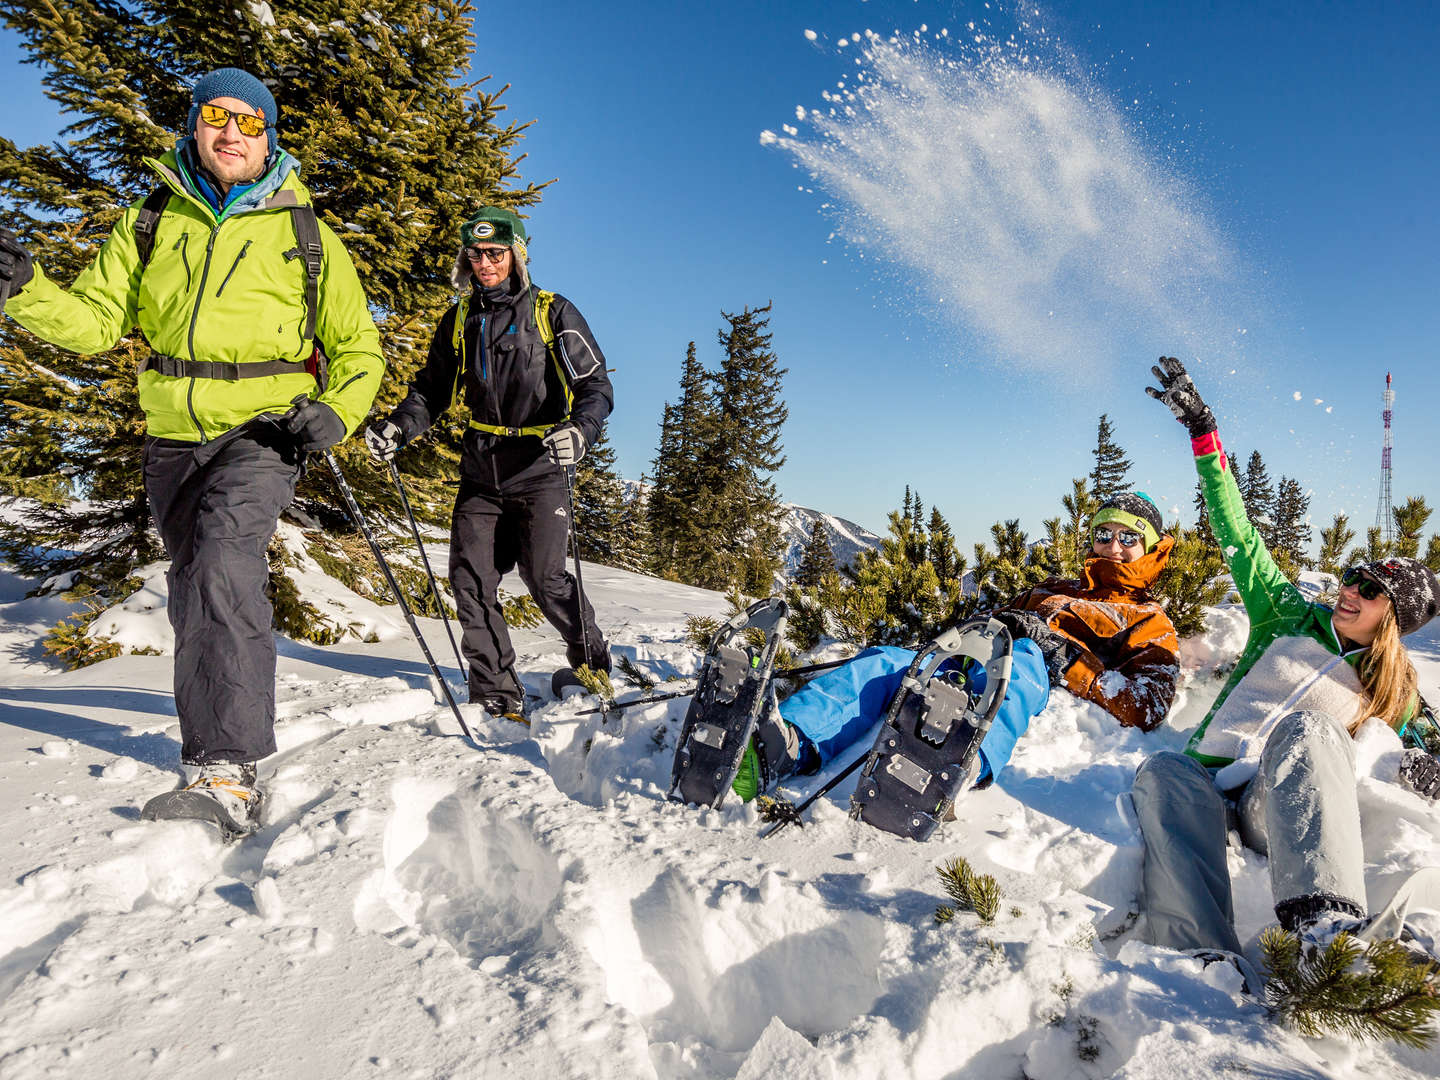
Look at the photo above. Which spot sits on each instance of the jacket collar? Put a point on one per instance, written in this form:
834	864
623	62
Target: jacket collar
1103	576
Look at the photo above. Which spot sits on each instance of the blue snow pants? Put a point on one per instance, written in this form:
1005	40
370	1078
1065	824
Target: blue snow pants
841	707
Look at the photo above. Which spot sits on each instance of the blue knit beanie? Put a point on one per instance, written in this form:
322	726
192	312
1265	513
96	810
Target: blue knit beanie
241	85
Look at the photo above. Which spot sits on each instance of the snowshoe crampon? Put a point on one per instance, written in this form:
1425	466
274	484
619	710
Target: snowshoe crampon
928	748
728	700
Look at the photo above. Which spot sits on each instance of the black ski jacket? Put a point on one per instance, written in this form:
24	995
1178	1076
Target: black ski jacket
509	378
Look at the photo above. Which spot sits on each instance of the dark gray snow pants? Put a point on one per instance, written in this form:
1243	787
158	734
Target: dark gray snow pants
216	506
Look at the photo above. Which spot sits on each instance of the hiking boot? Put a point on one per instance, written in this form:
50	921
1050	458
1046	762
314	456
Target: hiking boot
1250	982
224	792
776	750
504	708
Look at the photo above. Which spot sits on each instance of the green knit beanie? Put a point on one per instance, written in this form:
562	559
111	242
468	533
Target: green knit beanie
493	225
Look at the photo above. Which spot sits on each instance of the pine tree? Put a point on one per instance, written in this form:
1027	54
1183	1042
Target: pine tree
1374	548
1333	542
1015	566
1074	546
1192	581
736	504
1258	494
676	536
1111	465
909	601
818	561
71	426
1290	531
1432	553
600	505
1202	516
1410	518
945	557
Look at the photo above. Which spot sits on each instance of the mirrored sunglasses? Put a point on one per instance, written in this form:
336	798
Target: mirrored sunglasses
1367	587
489	254
1127	537
218	117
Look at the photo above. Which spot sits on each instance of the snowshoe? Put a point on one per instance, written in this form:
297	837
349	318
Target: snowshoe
224	794
504	708
928	748
729	698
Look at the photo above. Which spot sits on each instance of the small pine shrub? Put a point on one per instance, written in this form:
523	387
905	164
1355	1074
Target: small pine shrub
520	612
633	676
1376	992
979	893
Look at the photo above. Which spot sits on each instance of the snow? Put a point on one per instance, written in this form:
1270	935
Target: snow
533	907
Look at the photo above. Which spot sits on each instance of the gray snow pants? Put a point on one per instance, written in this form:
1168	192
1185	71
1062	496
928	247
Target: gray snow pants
216	505
1300	808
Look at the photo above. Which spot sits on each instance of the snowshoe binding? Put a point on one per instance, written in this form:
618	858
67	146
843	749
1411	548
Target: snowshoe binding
730	696
224	794
928	748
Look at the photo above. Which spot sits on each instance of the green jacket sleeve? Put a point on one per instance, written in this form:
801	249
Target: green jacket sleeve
98	309
346	331
1264	590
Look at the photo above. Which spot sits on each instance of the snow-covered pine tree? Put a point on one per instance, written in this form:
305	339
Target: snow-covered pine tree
817	561
1334	541
396	146
1108	477
1410	518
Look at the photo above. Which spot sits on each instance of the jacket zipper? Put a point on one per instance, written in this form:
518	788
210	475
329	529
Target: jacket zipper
233	267
194	317
182	245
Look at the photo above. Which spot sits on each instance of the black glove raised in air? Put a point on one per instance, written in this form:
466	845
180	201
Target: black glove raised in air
1177	391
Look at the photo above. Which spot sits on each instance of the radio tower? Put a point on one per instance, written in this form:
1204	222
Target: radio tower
1384	519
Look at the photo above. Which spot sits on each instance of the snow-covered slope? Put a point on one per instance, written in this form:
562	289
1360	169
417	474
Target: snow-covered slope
846	538
535	908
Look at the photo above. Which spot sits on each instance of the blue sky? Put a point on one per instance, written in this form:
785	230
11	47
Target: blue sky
1298	141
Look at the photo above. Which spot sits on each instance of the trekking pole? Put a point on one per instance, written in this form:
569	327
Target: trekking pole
792	813
434	584
809	669
569	472
359	519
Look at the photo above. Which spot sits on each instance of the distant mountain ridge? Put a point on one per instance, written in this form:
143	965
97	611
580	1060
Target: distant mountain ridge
847	539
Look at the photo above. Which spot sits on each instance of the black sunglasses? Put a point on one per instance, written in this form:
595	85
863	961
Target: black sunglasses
492	254
1127	538
1367	587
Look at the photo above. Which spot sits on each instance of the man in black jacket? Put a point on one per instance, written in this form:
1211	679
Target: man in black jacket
534	379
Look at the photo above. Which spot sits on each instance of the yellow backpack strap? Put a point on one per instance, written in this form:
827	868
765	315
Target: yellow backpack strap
457	343
543	299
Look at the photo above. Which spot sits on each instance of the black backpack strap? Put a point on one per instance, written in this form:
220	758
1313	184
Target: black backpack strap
148	219
312	250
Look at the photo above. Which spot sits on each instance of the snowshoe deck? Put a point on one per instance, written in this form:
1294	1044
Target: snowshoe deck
188	805
928	748
728	699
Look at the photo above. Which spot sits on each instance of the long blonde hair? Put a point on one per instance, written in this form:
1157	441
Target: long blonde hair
1387	675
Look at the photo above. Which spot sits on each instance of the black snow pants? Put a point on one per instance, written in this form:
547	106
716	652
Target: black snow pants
511	511
216	505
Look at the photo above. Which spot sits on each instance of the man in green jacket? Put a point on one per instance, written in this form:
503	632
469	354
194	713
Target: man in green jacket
240	292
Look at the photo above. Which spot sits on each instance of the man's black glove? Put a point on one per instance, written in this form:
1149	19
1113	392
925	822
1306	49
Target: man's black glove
16	268
1420	773
1177	391
313	424
1058	651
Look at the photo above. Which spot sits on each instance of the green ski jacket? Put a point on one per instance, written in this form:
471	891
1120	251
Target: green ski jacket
228	288
1292	659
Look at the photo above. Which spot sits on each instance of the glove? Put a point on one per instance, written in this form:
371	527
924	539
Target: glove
16	267
1420	773
1177	391
313	424
1058	651
564	444
383	440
